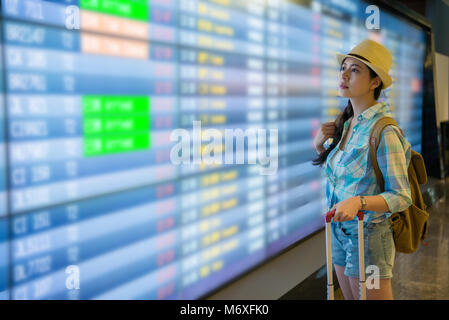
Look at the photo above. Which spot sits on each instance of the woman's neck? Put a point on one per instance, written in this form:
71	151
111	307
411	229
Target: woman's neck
360	104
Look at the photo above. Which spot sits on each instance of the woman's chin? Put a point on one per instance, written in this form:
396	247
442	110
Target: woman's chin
344	93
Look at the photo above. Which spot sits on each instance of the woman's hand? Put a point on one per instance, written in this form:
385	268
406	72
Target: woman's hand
347	209
326	131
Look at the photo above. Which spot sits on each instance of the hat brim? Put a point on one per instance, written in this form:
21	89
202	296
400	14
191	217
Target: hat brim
384	76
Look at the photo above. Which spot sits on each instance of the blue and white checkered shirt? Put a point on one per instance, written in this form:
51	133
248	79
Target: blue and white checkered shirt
350	172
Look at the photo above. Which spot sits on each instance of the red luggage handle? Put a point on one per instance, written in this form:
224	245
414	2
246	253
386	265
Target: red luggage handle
331	214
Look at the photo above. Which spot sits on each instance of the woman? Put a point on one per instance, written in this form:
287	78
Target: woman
351	183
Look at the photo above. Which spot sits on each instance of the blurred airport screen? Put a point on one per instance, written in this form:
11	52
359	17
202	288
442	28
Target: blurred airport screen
91	205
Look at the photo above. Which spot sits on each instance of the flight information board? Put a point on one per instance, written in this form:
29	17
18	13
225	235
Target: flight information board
92	205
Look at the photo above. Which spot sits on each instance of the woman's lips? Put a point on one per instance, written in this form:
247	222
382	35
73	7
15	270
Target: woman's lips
343	87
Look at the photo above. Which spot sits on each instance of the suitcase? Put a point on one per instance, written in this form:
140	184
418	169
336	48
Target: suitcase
330	284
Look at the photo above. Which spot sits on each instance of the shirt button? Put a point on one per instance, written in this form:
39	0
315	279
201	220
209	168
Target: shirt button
353	130
360	117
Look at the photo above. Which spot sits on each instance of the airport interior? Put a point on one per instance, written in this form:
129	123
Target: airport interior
163	149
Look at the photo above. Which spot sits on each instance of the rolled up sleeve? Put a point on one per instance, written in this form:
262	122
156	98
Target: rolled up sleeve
393	156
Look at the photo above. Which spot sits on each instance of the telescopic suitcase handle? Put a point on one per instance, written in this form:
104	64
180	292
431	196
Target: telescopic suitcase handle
331	214
330	285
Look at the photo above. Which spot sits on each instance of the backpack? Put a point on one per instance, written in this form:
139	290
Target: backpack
409	226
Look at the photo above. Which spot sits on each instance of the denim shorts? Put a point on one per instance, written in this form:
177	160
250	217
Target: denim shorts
378	244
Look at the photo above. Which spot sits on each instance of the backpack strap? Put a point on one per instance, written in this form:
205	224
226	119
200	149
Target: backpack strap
374	141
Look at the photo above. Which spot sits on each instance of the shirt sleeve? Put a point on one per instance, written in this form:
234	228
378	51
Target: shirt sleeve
393	157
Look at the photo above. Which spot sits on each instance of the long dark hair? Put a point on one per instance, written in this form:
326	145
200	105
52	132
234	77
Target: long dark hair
347	113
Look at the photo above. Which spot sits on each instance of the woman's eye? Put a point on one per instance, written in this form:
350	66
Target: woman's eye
354	70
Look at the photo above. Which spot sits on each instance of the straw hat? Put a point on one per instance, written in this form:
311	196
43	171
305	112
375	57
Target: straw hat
379	59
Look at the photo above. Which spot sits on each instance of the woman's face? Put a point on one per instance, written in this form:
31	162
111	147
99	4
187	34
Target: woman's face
354	79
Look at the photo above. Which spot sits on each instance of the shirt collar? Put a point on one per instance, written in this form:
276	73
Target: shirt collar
370	112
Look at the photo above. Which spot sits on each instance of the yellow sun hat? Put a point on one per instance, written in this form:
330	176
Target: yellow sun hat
378	58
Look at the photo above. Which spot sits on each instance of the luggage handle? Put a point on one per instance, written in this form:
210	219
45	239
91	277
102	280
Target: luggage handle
331	214
330	285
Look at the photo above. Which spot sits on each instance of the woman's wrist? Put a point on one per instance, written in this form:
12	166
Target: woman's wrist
362	203
374	203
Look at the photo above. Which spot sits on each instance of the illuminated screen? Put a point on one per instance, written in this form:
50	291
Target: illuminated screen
92	203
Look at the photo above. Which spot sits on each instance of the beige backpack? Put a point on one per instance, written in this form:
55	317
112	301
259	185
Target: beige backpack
409	226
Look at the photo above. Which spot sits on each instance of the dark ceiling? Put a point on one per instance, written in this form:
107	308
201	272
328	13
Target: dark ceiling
417	5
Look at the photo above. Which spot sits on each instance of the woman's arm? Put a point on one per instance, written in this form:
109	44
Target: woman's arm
392	161
374	203
393	157
348	209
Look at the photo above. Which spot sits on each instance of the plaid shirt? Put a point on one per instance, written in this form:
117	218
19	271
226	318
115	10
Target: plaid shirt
350	172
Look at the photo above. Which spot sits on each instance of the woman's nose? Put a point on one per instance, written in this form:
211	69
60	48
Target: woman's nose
344	75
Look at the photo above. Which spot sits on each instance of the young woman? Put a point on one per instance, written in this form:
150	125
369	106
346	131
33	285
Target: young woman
351	183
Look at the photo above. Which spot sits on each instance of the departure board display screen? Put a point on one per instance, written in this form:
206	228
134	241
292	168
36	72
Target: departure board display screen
97	96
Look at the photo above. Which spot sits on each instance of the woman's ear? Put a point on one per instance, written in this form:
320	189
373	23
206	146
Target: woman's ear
375	83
